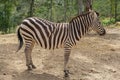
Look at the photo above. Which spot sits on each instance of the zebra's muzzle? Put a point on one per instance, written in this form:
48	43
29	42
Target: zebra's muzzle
103	32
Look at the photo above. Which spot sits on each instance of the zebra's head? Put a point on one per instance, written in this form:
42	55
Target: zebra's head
96	24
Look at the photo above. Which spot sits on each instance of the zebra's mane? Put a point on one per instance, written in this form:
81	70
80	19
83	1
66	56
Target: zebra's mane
82	14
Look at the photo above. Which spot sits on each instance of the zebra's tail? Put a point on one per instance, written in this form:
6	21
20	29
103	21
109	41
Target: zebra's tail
20	39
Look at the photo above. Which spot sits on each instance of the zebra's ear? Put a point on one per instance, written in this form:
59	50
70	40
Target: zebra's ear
97	13
89	10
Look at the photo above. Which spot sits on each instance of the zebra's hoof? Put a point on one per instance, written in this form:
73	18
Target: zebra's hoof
66	73
33	67
30	67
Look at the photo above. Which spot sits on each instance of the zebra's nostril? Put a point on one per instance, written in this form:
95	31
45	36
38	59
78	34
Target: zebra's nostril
103	32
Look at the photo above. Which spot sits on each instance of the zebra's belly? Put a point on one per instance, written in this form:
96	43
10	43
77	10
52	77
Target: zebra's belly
51	43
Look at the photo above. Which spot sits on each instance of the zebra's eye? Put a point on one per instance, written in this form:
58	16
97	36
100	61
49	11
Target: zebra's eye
98	26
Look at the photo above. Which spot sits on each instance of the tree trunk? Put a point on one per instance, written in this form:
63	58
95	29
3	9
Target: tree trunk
51	10
110	10
31	11
116	10
80	4
88	4
65	10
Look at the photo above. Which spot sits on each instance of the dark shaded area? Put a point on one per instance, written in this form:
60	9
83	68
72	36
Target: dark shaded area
26	75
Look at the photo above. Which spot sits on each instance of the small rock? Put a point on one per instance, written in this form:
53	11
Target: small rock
113	71
13	75
112	49
4	74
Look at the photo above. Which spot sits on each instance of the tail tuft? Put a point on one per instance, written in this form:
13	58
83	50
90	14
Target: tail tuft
20	39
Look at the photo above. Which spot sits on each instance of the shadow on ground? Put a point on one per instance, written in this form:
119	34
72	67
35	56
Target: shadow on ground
26	75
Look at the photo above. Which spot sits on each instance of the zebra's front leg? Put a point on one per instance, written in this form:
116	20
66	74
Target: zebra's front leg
29	62
66	59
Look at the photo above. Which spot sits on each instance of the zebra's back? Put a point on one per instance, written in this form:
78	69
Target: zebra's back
45	33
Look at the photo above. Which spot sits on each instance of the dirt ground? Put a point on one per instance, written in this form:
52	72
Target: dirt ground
94	58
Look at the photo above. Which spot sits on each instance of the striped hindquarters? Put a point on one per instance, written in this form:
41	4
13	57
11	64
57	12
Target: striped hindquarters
45	33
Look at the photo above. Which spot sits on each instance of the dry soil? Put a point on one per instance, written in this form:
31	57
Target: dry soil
94	58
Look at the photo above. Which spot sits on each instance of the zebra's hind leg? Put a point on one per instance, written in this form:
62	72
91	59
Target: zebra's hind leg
66	59
28	49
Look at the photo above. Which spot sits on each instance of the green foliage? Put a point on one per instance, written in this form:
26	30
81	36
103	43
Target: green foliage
5	12
43	10
108	21
106	8
12	12
103	7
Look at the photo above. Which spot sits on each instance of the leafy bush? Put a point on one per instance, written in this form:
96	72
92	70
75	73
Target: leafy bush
108	21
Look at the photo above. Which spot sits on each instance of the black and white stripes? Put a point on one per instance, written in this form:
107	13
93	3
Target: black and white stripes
50	35
47	34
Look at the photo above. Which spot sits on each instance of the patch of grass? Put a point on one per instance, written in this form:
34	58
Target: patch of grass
107	21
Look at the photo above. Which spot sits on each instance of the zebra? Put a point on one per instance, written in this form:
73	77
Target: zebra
51	35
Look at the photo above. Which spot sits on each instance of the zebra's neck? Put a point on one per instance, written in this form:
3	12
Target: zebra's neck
79	27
